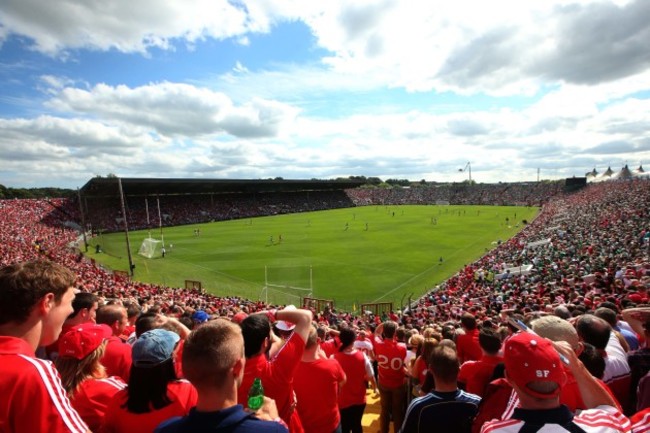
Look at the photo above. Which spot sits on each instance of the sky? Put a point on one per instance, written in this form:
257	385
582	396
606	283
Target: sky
507	90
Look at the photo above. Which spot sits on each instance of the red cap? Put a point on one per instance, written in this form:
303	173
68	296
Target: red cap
81	340
531	358
635	297
239	317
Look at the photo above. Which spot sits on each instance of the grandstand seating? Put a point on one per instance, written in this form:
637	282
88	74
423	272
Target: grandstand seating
594	231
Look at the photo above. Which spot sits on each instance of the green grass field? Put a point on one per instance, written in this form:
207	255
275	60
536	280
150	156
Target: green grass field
397	256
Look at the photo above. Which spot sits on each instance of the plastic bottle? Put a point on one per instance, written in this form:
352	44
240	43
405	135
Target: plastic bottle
256	395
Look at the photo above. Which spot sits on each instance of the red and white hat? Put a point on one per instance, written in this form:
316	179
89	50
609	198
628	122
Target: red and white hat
285	326
531	358
81	340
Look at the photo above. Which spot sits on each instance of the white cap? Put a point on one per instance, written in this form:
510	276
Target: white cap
283	325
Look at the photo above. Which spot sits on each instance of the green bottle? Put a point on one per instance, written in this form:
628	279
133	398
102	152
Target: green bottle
256	395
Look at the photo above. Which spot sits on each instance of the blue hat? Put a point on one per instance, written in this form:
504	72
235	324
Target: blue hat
154	347
200	316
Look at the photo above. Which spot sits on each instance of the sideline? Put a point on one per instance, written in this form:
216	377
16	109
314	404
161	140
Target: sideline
370	420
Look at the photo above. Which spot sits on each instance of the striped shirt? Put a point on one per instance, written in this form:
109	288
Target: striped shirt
33	399
92	399
602	419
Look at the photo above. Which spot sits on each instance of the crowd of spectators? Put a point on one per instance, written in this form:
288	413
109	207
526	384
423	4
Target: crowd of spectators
142	212
585	261
103	213
502	194
591	246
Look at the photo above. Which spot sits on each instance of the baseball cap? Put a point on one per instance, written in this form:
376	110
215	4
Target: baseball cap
81	340
154	347
200	316
237	318
531	358
283	325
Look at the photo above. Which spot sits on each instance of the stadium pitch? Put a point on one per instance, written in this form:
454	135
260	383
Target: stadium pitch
352	256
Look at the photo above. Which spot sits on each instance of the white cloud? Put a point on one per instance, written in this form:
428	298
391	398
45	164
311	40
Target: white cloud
175	109
576	66
123	25
502	47
239	68
413	145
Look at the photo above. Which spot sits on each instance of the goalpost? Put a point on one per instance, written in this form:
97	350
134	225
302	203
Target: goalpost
288	285
151	248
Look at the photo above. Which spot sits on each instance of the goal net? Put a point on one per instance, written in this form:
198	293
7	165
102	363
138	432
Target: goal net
287	284
151	248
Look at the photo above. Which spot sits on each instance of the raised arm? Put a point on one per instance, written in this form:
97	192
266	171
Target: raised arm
301	318
592	392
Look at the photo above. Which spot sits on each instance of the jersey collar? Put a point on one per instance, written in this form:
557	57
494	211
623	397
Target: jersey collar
15	346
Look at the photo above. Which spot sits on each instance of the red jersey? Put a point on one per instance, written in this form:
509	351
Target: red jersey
390	362
92	399
277	379
118	419
128	330
331	346
353	392
641	421
178	359
317	387
477	374
117	358
501	400
420	369
33	399
468	347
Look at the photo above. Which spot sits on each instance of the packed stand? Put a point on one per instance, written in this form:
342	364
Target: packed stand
142	212
132	356
502	194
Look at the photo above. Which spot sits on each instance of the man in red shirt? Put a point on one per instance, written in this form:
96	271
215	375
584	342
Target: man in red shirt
391	374
317	383
536	373
501	400
477	374
35	298
132	313
84	308
467	345
278	372
117	357
329	345
213	361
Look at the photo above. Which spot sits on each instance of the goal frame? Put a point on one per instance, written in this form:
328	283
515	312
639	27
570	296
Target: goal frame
153	245
287	289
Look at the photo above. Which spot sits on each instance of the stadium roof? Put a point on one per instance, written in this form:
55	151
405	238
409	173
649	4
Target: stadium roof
108	186
625	173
